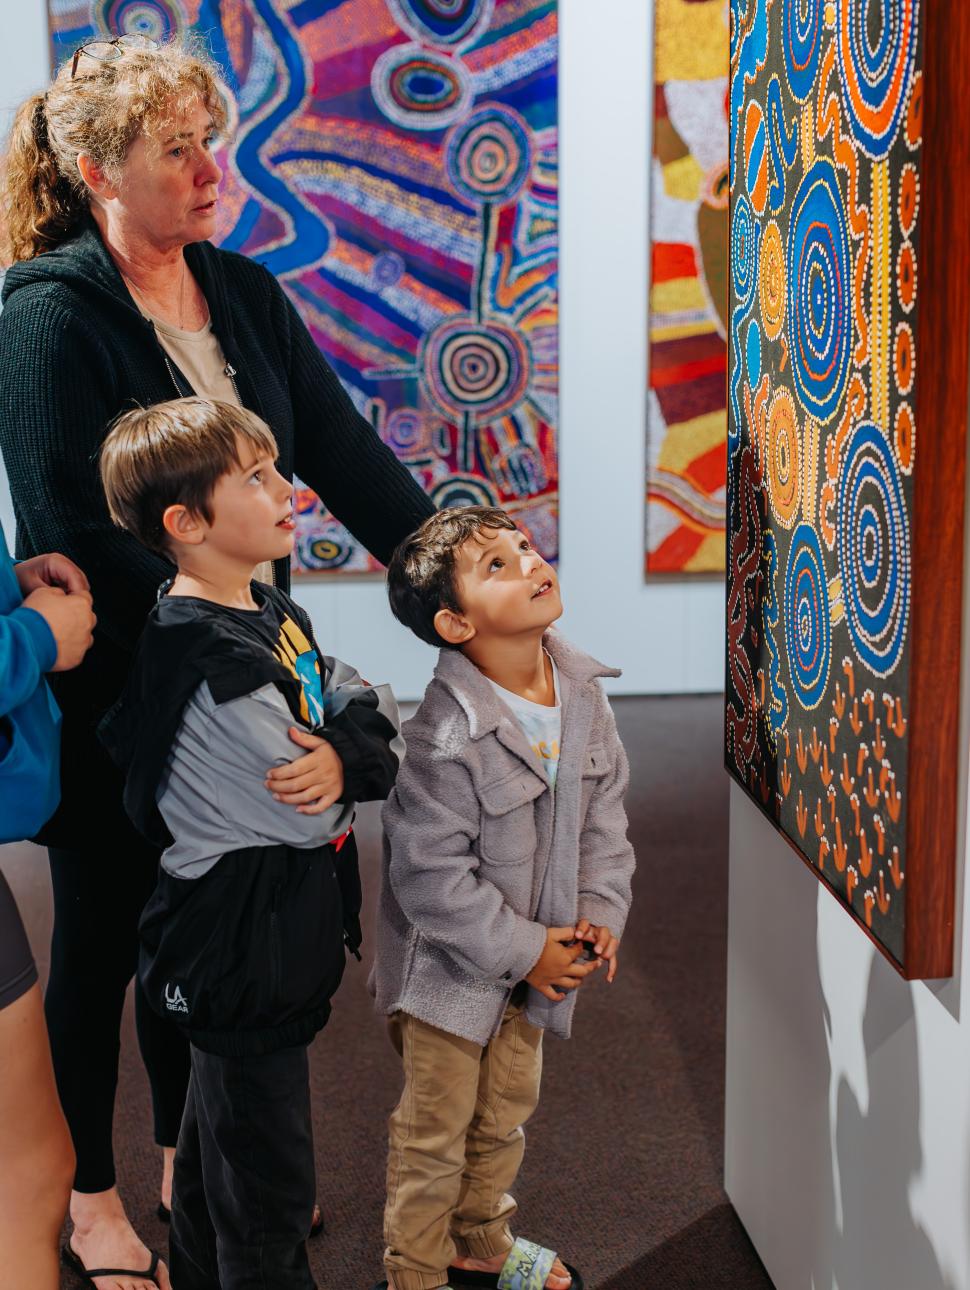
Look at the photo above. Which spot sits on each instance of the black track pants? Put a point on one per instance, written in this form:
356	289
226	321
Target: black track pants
242	1202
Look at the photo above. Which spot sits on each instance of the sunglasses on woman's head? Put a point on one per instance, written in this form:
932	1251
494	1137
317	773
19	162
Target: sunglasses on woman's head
106	51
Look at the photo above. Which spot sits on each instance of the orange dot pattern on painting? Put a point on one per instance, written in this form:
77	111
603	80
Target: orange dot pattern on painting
914	114
908	198
906	276
905	436
784	458
771	283
904	358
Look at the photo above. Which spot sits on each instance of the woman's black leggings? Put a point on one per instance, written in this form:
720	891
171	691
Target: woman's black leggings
99	893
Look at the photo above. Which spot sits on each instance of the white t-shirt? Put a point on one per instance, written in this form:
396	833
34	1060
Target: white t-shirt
541	725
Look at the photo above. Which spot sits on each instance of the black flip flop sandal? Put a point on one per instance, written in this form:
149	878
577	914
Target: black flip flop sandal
71	1260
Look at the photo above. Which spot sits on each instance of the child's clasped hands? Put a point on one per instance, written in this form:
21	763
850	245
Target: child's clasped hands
560	969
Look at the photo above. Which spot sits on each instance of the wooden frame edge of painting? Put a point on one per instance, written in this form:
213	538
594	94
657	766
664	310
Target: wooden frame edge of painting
942	339
774	639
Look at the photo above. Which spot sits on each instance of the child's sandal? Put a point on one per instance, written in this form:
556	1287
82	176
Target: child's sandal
526	1267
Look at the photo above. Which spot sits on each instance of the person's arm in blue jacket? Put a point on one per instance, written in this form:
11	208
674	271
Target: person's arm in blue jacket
40	629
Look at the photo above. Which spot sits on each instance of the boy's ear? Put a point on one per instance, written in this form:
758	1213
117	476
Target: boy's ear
183	525
451	627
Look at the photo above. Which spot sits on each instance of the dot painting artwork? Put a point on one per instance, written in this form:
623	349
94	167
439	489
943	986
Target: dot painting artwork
395	164
686	414
845	493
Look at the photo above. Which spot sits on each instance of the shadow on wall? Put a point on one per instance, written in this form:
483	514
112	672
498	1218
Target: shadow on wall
875	1201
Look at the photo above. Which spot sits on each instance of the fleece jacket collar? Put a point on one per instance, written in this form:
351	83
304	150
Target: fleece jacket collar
484	709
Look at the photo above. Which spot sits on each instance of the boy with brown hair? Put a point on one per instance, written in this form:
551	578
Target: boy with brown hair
505	857
243	941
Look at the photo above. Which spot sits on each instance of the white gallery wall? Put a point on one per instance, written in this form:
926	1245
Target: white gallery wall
666	635
848	1089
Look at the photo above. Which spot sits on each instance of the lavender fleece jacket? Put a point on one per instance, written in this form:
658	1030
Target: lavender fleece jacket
480	856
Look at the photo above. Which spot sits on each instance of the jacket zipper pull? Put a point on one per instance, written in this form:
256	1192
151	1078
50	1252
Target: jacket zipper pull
229	371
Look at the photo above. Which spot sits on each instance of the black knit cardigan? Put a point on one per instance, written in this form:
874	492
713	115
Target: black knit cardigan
75	351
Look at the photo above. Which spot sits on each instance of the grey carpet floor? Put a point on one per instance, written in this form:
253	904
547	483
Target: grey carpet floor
623	1168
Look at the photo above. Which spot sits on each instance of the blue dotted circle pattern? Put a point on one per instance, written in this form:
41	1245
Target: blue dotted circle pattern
819	318
489	156
808	628
876	76
743	251
801	38
442	22
874	550
420	89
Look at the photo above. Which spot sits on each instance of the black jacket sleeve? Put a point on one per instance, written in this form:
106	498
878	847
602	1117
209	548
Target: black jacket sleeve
362	737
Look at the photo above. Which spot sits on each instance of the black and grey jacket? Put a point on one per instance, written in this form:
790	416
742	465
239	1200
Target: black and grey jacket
243	940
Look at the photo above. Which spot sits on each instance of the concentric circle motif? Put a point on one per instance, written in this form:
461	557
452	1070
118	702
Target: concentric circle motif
784	458
801	38
463	490
771	281
756	156
908	198
819	313
324	553
478	368
406	430
156	19
904	357
442	22
808	628
743	251
489	156
906	276
875	72
874	550
420	89
387	269
904	437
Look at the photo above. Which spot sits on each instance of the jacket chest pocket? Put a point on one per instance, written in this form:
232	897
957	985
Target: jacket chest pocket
595	767
508	822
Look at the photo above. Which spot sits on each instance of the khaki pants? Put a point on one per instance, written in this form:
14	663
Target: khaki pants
456	1144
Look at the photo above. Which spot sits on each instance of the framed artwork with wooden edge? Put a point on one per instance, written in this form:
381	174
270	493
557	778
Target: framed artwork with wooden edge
849	315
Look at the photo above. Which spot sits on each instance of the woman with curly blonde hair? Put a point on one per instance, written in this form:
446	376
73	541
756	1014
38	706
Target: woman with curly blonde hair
116	296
